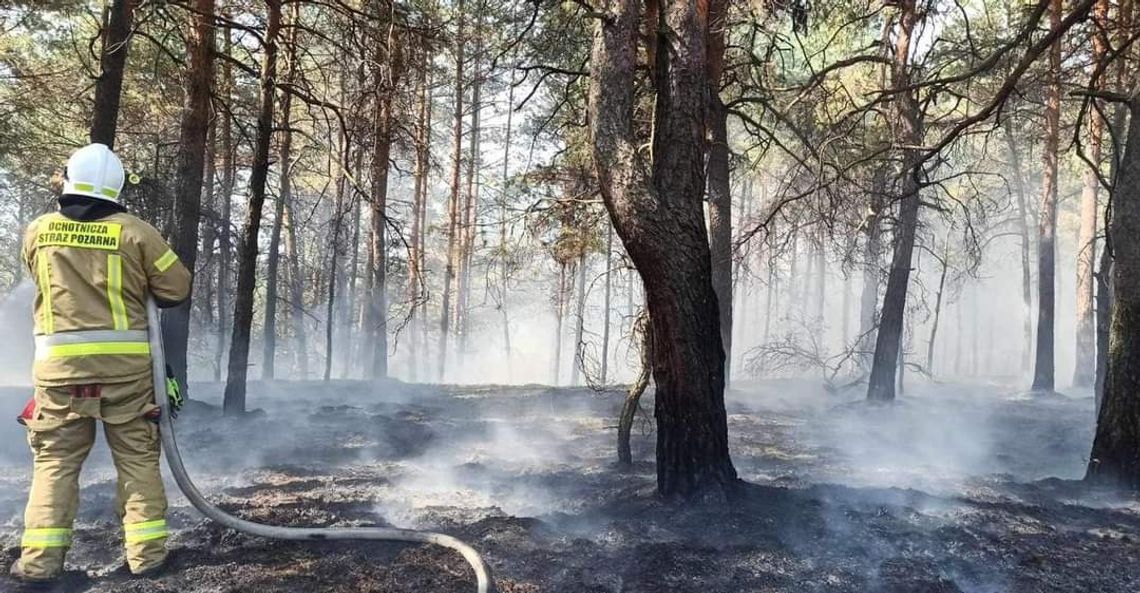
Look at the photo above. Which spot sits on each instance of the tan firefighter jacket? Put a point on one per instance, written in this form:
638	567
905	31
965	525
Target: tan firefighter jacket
93	279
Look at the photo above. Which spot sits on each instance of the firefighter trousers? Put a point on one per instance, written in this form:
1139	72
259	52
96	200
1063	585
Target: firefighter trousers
61	435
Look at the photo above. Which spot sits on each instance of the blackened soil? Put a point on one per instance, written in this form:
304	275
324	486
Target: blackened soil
955	490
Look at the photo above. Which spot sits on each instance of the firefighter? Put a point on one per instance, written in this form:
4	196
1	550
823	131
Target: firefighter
94	266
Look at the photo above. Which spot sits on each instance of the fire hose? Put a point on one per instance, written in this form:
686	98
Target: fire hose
485	584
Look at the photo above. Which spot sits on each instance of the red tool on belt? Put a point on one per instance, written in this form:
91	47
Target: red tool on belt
29	412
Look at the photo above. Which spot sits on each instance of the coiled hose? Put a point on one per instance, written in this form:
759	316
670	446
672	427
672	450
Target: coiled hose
485	584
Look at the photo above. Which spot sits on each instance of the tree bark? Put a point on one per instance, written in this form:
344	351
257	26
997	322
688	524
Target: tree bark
658	215
191	159
504	264
471	196
376	330
1084	374
419	204
579	322
453	202
719	186
234	400
285	190
559	318
225	238
1044	368
606	305
1115	457
296	293
1124	78
112	63
881	385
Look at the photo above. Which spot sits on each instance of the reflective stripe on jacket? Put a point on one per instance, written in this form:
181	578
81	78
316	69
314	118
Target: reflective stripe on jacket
92	280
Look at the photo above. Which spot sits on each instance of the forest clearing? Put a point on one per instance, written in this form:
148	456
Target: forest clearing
565	296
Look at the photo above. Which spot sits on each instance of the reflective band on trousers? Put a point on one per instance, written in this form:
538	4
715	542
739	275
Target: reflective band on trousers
51	537
91	343
141	532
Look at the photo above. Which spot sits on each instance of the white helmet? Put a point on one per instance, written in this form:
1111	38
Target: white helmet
94	171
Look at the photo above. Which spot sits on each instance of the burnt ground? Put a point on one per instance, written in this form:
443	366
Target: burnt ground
952	489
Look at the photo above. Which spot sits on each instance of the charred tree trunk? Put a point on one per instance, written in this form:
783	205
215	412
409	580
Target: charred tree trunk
1044	368
285	190
453	202
191	159
1115	457
113	60
234	402
881	385
719	184
720	220
657	213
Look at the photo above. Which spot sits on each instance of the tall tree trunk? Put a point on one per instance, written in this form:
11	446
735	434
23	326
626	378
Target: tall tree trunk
606	306
415	293
471	201
453	202
559	317
113	60
269	351
1124	78
579	322
191	159
334	314
1084	374
1044	369
1115	457
658	215
719	185
377	324
881	385
225	237
208	228
504	263
296	293
234	401
1023	234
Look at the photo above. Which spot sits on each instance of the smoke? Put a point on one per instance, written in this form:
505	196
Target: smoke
18	349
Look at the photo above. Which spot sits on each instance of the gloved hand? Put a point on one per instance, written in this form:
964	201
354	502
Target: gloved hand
173	393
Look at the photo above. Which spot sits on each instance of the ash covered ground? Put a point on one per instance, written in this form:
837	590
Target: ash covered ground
952	489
